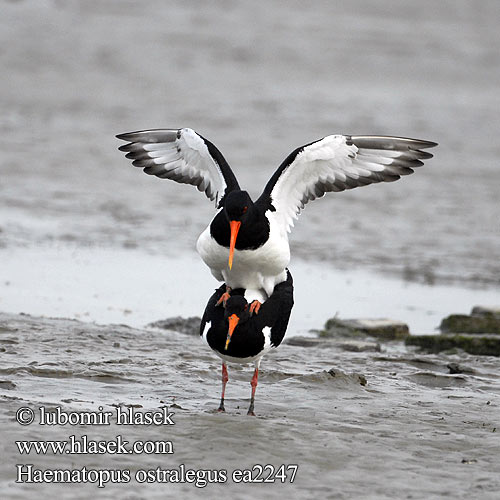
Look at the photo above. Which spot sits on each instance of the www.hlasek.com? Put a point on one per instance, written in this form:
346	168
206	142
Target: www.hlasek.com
82	445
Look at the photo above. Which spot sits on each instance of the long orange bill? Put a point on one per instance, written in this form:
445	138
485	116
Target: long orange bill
235	227
233	321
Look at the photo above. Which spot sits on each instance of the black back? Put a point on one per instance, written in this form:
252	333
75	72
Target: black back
227	173
248	339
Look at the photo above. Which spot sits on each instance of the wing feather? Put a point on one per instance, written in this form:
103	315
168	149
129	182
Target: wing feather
183	156
336	163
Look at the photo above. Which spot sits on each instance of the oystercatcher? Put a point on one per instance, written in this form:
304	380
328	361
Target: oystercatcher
238	336
246	243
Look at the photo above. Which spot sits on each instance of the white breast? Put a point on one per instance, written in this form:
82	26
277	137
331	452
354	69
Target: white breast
263	267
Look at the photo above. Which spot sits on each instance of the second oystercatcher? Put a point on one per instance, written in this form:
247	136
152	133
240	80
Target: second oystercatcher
246	243
238	336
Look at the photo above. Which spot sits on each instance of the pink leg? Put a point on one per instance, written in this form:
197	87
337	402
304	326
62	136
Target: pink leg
225	378
253	383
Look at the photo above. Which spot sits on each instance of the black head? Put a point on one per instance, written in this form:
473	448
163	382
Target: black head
237	305
238	208
240	225
238	205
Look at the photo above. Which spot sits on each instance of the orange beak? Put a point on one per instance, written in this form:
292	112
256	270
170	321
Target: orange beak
233	321
235	227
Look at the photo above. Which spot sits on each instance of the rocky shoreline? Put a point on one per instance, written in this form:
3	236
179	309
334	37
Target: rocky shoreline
477	333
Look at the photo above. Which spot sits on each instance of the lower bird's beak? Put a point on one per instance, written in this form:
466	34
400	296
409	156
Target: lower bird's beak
235	227
233	321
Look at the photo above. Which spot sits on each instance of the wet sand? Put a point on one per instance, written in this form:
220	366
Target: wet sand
413	431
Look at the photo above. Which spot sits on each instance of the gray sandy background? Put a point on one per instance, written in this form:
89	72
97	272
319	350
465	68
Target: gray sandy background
85	235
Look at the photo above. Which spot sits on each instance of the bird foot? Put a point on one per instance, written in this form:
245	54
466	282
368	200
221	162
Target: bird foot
255	307
224	297
251	407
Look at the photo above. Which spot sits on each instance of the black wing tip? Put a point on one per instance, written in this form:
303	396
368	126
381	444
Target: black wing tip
151	135
421	144
424	155
125	148
370	140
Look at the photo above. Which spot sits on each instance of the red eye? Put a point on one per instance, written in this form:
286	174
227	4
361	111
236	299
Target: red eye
246	307
245	209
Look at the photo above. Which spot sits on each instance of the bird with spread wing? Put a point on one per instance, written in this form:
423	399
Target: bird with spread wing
246	243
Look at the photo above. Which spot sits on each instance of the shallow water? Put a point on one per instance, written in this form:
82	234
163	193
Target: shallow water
85	235
132	287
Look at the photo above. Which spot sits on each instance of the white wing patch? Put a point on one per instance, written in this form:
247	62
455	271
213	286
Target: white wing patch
181	155
267	337
339	162
205	330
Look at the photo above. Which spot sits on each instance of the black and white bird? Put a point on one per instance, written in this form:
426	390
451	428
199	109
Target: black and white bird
238	336
246	243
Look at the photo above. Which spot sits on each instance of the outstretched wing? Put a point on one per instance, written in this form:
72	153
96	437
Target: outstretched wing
336	163
183	156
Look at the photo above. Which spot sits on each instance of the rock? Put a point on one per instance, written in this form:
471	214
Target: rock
306	341
479	322
487	345
381	328
359	346
345	344
7	384
361	379
335	327
189	326
456	369
486	311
